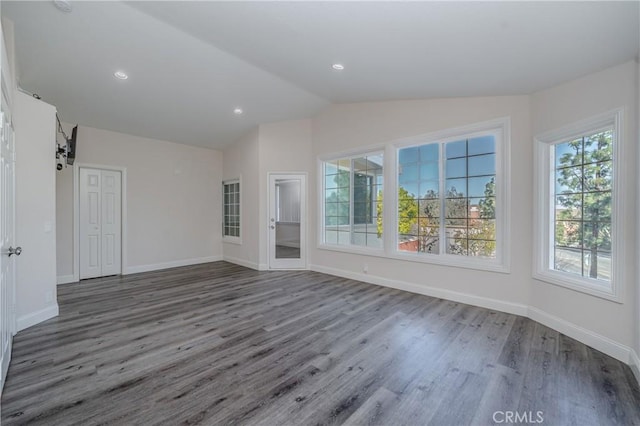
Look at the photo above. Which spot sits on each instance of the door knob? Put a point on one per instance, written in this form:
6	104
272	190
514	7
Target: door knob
17	251
273	227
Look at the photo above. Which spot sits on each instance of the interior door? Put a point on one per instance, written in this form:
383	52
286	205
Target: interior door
90	212
100	219
287	221
7	236
111	222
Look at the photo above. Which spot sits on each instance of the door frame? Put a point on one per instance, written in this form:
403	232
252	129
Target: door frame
303	219
76	214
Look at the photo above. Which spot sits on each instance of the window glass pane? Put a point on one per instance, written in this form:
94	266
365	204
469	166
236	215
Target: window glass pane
456	149
407	173
482	145
482	229
456	188
598	147
481	186
332	181
351	199
568	180
331	236
482	165
604	266
408	242
231	209
344	237
456	168
331	195
568	207
430	153
568	233
457	246
429	171
597	206
597	176
429	189
408	155
359	239
583	205
455	208
569	153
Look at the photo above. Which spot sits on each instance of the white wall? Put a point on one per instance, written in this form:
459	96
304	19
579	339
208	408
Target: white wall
355	126
562	105
35	127
241	161
283	147
172	200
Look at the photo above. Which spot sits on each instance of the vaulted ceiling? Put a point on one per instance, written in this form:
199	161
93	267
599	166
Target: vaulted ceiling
190	64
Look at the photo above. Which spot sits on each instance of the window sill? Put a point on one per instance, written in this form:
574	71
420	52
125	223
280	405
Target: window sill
582	285
446	260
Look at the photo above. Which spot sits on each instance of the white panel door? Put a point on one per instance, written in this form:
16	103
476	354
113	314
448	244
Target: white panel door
7	236
111	223
90	212
100	222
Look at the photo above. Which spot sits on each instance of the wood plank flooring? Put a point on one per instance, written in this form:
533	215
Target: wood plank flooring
222	344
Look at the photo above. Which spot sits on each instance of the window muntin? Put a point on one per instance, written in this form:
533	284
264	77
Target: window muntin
231	209
582	205
352	200
447	197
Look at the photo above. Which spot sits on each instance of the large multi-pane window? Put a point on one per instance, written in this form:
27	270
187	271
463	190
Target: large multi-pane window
577	238
231	209
352	200
447	197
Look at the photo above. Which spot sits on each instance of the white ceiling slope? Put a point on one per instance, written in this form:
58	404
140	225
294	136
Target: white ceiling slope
191	63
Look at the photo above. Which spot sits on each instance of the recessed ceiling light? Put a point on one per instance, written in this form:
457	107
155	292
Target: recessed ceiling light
238	111
120	75
63	5
337	67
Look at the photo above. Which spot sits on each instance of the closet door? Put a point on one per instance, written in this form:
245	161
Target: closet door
111	222
90	221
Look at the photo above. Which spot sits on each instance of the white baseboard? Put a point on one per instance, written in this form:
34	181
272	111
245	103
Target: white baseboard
588	337
470	299
65	279
634	363
242	262
172	264
34	318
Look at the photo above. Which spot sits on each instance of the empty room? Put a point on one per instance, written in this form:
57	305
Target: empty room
313	213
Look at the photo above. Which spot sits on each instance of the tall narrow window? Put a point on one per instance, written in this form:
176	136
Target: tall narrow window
353	200
447	197
582	205
578	244
231	209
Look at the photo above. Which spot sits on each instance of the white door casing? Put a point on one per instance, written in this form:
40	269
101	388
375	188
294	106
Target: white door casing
100	222
287	221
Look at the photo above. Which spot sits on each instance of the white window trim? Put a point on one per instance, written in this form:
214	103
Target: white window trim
543	191
501	129
226	238
350	248
501	264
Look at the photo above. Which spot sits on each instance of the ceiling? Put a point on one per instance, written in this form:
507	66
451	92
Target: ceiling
191	63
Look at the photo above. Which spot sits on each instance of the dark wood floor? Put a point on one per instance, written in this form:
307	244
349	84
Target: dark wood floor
222	344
